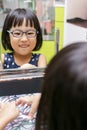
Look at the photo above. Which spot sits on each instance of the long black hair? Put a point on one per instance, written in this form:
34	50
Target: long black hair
63	104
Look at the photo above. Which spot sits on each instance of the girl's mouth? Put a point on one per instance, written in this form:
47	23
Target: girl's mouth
24	46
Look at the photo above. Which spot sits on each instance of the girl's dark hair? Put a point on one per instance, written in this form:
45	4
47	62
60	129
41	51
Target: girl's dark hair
15	18
63	104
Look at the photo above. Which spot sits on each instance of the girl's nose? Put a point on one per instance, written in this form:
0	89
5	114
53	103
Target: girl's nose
24	37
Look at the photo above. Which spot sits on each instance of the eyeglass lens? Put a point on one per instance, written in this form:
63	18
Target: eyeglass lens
29	33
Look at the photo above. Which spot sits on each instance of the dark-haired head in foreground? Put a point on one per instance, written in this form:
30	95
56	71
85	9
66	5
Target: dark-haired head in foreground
63	105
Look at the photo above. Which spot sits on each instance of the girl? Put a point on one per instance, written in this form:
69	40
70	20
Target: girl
21	34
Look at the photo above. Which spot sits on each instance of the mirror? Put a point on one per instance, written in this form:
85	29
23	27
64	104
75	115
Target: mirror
51	17
76	21
44	10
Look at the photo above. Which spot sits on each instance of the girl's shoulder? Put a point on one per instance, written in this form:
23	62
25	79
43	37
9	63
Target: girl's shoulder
34	55
8	61
9	54
39	60
34	59
3	56
6	56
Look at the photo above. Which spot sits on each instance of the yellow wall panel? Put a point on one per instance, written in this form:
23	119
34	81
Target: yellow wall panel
59	14
48	49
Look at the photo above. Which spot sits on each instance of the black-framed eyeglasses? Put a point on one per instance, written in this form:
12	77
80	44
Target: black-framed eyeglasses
19	33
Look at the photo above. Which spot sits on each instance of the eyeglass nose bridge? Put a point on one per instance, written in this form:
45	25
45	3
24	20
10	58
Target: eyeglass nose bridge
23	34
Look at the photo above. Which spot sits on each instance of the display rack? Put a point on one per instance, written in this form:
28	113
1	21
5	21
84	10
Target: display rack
21	81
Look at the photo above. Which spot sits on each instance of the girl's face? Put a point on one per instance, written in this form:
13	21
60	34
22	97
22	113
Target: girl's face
23	45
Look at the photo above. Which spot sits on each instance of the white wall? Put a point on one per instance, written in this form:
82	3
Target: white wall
11	4
77	8
74	33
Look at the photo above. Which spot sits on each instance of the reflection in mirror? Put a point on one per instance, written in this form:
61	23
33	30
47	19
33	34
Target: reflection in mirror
76	21
21	34
50	15
43	9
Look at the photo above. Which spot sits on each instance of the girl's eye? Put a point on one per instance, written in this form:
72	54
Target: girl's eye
17	33
31	33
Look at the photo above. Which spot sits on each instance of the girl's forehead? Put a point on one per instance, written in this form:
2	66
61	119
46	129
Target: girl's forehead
24	22
27	22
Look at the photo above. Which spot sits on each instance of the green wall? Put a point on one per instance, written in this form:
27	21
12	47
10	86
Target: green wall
48	49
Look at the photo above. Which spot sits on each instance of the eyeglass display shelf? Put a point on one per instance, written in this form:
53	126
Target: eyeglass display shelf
11	74
21	81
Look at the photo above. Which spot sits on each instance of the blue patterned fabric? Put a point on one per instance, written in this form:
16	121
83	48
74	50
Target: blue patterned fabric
9	62
21	122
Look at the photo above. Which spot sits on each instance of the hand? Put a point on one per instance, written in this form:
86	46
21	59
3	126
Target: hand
27	66
8	112
32	100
